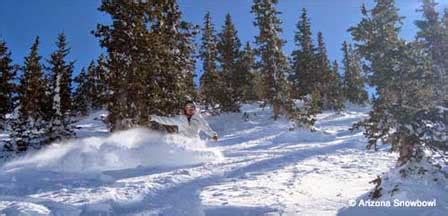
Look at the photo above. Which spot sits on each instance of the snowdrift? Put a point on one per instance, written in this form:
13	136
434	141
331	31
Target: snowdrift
416	188
23	208
121	150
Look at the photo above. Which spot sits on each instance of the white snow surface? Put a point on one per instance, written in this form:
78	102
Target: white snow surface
258	167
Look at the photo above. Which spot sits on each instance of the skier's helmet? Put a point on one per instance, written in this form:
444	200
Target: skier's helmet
190	104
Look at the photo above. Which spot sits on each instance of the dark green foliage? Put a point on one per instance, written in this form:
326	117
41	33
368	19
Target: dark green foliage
150	64
7	87
92	93
212	87
81	100
305	76
379	44
246	66
232	78
353	82
378	41
29	127
273	63
273	67
97	75
312	72
328	82
60	80
335	91
124	40
228	72
403	75
433	36
62	70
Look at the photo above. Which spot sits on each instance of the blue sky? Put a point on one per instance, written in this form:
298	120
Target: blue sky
22	20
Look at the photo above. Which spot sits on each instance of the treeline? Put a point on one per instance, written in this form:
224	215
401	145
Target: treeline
149	65
233	75
38	102
149	69
151	57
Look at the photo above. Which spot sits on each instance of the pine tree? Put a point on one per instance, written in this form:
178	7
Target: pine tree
273	63
29	128
378	43
98	75
228	55
246	66
432	38
401	72
211	85
60	92
303	59
445	45
81	100
92	93
335	92
432	35
353	82
96	81
150	65
328	82
124	40
173	58
7	87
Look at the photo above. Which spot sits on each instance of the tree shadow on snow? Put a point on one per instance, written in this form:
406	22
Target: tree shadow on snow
289	158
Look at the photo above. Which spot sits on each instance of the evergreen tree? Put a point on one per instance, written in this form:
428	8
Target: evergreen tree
327	83
273	64
378	42
92	93
150	64
96	81
172	60
304	76
29	128
228	55
353	83
97	76
7	87
210	89
81	100
401	72
246	67
432	35
335	92
432	38
60	92
124	40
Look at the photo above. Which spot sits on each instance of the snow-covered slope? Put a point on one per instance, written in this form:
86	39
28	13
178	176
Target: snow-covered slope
258	167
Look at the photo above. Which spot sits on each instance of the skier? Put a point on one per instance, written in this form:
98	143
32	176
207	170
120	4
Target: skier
189	123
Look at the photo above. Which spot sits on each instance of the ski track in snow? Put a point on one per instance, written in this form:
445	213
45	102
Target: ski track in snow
267	170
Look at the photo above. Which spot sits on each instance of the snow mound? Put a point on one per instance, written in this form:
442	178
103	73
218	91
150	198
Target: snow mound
416	188
121	150
23	208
